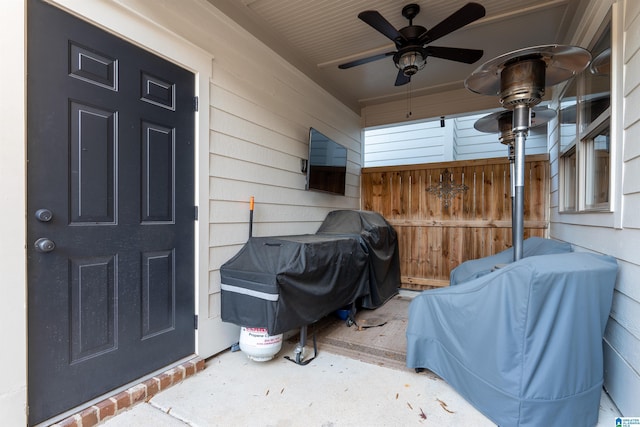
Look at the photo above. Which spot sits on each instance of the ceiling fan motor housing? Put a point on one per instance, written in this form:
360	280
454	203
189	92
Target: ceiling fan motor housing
522	81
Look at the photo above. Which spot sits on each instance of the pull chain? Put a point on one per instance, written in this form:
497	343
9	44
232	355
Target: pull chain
409	100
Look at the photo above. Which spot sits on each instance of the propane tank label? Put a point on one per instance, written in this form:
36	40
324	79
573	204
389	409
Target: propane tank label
263	335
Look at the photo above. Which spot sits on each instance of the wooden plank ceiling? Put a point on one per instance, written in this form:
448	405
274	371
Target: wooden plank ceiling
316	36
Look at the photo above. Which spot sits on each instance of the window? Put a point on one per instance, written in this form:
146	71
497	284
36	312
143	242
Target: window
597	162
569	173
585	115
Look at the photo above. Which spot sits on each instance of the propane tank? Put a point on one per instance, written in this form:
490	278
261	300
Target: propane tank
258	345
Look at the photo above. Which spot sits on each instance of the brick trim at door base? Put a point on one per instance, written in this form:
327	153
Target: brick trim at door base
138	393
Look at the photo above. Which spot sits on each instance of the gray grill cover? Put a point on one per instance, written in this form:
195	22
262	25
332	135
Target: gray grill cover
282	283
522	344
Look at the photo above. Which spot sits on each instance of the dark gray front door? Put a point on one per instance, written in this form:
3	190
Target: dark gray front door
110	212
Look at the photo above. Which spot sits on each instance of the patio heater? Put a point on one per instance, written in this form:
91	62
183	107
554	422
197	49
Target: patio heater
519	78
502	122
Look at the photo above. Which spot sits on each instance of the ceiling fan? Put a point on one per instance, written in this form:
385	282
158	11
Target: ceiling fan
412	41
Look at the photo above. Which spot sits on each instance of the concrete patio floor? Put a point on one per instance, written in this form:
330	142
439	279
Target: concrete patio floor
332	390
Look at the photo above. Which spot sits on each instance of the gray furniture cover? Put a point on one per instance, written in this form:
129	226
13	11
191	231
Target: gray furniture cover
475	268
522	344
282	283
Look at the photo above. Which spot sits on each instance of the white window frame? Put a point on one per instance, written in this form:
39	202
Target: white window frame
580	150
588	159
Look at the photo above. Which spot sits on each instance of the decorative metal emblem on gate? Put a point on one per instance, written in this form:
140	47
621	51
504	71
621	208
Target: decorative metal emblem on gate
447	189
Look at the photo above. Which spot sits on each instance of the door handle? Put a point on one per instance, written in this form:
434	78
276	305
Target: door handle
44	245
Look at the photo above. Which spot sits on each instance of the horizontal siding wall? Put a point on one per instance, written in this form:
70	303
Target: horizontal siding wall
404	145
616	233
429	142
623	337
471	144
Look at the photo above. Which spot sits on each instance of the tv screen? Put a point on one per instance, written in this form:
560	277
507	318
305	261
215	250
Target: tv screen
327	165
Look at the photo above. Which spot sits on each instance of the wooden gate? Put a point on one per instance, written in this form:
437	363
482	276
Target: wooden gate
446	213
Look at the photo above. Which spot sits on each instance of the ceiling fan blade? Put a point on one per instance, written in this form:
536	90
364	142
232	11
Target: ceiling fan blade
377	21
464	16
364	60
401	79
468	56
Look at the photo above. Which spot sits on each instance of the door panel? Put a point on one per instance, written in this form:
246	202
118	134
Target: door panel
158	293
93	307
157	172
93	159
111	156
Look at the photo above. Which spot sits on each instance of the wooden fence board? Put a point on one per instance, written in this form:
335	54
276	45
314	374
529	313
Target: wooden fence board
438	230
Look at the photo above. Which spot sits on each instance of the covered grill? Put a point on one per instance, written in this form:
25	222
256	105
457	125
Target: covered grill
287	282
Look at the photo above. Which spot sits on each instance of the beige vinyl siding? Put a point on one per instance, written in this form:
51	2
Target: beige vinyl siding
622	339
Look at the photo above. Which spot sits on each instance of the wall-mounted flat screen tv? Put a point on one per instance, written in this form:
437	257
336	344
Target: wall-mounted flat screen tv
327	164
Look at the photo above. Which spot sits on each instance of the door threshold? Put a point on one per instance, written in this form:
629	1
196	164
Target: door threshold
141	390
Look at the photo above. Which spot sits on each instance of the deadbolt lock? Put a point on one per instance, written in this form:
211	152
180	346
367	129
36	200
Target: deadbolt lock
44	215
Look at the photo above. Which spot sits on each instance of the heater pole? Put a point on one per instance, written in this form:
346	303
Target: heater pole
512	185
521	124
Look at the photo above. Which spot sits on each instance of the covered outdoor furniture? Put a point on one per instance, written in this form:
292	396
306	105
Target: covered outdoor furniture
475	268
523	344
287	282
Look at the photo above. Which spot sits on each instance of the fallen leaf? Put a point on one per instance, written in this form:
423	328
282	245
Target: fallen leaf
422	414
409	405
397	394
282	391
444	406
267	393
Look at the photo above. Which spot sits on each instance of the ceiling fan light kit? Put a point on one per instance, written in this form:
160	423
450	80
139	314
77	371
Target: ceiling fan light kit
412	41
410	62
